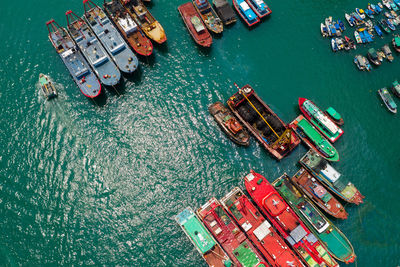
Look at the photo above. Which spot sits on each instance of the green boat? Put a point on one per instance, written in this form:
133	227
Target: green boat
211	251
314	139
47	86
396	88
334	115
320	120
333	239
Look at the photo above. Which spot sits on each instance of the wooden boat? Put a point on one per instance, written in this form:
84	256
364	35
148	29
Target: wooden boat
396	88
229	124
245	12
208	15
259	230
334	115
201	238
388	53
259	7
362	63
373	56
228	234
357	37
330	236
149	25
331	178
262	122
127	26
387	100
313	139
285	220
317	193
47	86
224	11
195	25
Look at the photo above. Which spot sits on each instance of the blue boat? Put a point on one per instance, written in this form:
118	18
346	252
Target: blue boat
368	36
341	25
397	2
377	8
337	27
245	12
91	48
363	38
378	30
110	38
369	13
259	7
390	24
332	30
394	6
73	60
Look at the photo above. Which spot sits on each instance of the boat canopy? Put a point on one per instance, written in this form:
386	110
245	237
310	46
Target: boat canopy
244	6
198	26
262	231
397	41
330	173
332	112
127	24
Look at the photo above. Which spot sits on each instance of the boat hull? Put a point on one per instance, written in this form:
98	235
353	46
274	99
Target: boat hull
243	16
208	14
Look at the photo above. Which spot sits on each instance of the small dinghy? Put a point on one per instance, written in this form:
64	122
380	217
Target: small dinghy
386	4
47	86
334	115
349	19
358	37
334	45
324	30
361	13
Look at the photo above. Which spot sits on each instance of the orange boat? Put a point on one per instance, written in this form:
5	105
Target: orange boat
128	27
259	230
195	25
150	26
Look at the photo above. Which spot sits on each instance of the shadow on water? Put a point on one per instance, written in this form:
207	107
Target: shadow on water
100	100
135	78
146	61
204	51
162	48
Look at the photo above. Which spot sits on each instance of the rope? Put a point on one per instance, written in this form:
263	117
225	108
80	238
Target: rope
116	91
222	257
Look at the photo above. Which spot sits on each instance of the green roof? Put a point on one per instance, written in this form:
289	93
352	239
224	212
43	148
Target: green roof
337	243
397	40
245	255
333	113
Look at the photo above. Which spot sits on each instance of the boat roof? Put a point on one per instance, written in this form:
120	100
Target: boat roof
320	116
195	230
197	23
330	173
332	112
246	255
397	40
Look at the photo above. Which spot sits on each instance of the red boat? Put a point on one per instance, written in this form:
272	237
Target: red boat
128	28
262	122
289	225
228	234
259	230
195	25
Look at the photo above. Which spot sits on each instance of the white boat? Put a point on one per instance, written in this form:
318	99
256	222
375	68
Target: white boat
358	38
349	20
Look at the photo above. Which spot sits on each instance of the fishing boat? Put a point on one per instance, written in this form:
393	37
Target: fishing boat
387	100
285	220
397	2
349	19
330	236
73	59
195	26
318	194
357	18
224	11
369	13
334	45
47	86
208	15
362	63
389	23
350	43
259	7
378	30
229	236
92	49
334	116
373	57
313	139
386	3
341	25
110	38
149	25
396	43
128	28
205	244
273	134
360	12
229	124
245	12
331	178
340	43
322	122
358	37
388	53
381	54
384	25
362	36
324	30
396	88
376	8
259	230
394	6
380	5
368	36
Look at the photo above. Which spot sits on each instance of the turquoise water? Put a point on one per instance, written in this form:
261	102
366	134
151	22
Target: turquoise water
85	182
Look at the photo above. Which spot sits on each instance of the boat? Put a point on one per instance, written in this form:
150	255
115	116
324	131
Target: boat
373	57
47	86
331	178
315	191
386	3
224	11
340	43
377	8
346	43
341	25
129	29
381	55
358	37
335	242
73	59
380	5
334	45
259	230
357	18
396	43
334	116
390	24
229	124
388	53
378	30
273	134
396	88
350	42
313	139
149	25
245	12
387	100
349	19
110	38
369	13
195	25
209	16
360	12
322	122
384	25
337	26
259	7
394	6
235	243
285	220
397	2
363	37
201	238
324	30
332	30
92	49
389	15
362	63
